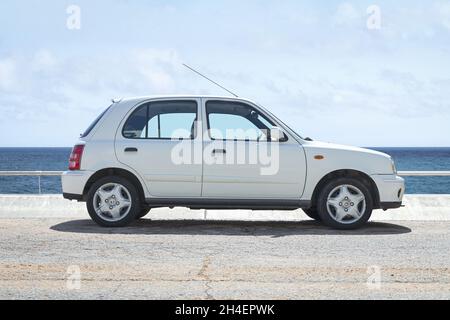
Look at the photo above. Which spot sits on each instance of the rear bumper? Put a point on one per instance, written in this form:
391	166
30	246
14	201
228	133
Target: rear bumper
73	183
391	189
71	196
390	205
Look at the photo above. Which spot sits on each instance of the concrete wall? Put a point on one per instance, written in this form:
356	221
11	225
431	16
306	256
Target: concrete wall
417	207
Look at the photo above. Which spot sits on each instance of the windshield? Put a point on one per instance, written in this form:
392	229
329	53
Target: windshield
284	124
93	124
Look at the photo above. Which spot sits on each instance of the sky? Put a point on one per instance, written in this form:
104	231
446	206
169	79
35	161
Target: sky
332	70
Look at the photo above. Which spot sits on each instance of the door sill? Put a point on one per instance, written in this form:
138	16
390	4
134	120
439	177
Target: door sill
227	204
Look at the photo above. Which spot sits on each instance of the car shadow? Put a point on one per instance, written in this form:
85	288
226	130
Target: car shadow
227	228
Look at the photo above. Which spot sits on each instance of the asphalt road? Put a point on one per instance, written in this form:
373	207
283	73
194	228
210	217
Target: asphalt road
40	259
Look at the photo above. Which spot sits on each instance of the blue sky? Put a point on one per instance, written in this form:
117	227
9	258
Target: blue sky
314	64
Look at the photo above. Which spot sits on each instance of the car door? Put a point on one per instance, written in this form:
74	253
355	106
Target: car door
241	161
152	140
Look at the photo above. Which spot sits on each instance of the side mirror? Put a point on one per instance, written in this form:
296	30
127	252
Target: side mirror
277	135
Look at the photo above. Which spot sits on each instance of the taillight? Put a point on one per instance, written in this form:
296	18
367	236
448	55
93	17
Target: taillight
75	158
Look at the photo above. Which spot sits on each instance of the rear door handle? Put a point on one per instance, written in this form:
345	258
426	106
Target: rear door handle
131	150
223	151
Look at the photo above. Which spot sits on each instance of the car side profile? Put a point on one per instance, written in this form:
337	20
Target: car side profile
204	152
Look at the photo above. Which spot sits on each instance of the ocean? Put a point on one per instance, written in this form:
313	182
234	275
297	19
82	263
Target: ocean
56	159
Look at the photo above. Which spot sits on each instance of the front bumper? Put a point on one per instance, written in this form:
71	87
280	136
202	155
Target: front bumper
73	183
391	189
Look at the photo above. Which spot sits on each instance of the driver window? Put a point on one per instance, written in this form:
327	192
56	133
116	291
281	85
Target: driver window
236	121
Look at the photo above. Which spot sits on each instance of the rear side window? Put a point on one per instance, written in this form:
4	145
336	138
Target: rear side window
93	124
163	120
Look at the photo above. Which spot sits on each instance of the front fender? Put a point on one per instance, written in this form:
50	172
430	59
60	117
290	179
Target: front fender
325	159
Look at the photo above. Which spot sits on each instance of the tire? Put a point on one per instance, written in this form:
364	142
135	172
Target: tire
345	204
117	202
143	213
312	213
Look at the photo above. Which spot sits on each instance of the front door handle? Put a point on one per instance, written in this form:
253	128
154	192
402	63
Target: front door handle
131	150
216	151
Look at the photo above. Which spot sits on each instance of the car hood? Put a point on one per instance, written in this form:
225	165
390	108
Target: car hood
333	146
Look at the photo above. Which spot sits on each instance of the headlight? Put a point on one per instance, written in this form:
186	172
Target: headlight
394	169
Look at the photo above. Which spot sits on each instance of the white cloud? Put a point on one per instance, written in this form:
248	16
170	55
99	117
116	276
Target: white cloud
157	67
41	90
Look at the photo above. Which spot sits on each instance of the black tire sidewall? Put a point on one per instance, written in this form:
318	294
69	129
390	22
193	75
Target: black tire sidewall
322	204
312	213
135	202
143	213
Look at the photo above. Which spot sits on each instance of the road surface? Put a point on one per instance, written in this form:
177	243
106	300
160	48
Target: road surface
55	258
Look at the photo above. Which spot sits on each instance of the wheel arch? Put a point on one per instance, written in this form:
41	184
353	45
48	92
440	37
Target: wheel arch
348	173
115	172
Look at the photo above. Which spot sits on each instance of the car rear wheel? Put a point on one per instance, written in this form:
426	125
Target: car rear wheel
113	202
143	213
312	213
345	203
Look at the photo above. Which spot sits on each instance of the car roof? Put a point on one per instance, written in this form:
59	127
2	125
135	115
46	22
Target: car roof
179	96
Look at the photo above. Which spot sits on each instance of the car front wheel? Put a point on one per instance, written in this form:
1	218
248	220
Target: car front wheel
113	202
345	203
312	213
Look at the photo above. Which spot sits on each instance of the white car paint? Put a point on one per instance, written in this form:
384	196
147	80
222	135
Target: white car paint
338	157
245	180
163	177
297	178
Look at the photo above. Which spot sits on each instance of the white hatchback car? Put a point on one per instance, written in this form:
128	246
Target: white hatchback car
205	152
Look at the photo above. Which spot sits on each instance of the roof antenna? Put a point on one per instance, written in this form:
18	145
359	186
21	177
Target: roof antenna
222	87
